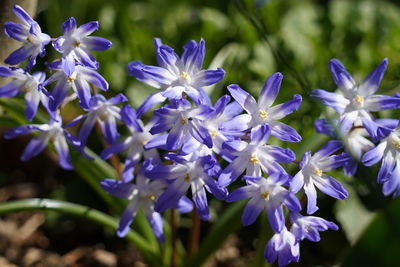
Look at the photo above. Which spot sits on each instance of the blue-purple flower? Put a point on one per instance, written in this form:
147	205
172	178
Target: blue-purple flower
312	174
77	77
186	172
388	150
23	82
354	103
30	34
135	143
184	121
141	195
266	194
53	132
355	142
103	111
283	247
254	157
176	75
262	113
75	44
308	227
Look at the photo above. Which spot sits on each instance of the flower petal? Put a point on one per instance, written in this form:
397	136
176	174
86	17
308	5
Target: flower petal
245	100
270	90
251	211
372	81
282	110
333	100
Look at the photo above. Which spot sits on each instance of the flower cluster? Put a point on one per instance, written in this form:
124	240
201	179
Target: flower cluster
184	143
356	123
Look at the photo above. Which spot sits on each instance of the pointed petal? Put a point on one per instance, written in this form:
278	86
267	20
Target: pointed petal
171	196
329	186
387	169
282	110
270	90
242	193
208	77
127	218
333	100
275	217
260	135
251	211
311	194
63	152
284	132
381	102
156	223
35	146
97	43
245	100
200	201
117	188
372	81
374	155
341	77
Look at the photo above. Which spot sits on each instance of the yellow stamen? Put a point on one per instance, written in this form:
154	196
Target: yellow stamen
29	39
184	121
263	114
77	44
359	99
184	75
71	79
396	144
213	133
150	197
265	195
253	159
187	178
317	172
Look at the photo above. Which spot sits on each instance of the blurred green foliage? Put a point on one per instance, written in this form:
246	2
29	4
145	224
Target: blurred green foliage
251	40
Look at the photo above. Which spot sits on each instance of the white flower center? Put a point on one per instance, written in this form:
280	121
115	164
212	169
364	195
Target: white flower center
253	159
263	114
317	171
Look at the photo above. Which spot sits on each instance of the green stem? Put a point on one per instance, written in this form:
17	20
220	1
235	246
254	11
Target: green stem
42	204
228	223
264	234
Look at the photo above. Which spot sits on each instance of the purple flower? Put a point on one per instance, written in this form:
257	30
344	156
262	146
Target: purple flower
176	75
23	82
284	247
184	122
266	194
309	226
47	132
187	172
312	175
30	34
261	112
254	157
388	150
223	112
354	103
77	77
141	195
75	43
135	143
105	112
355	142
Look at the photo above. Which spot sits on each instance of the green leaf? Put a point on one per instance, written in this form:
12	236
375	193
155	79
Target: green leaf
380	243
81	211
